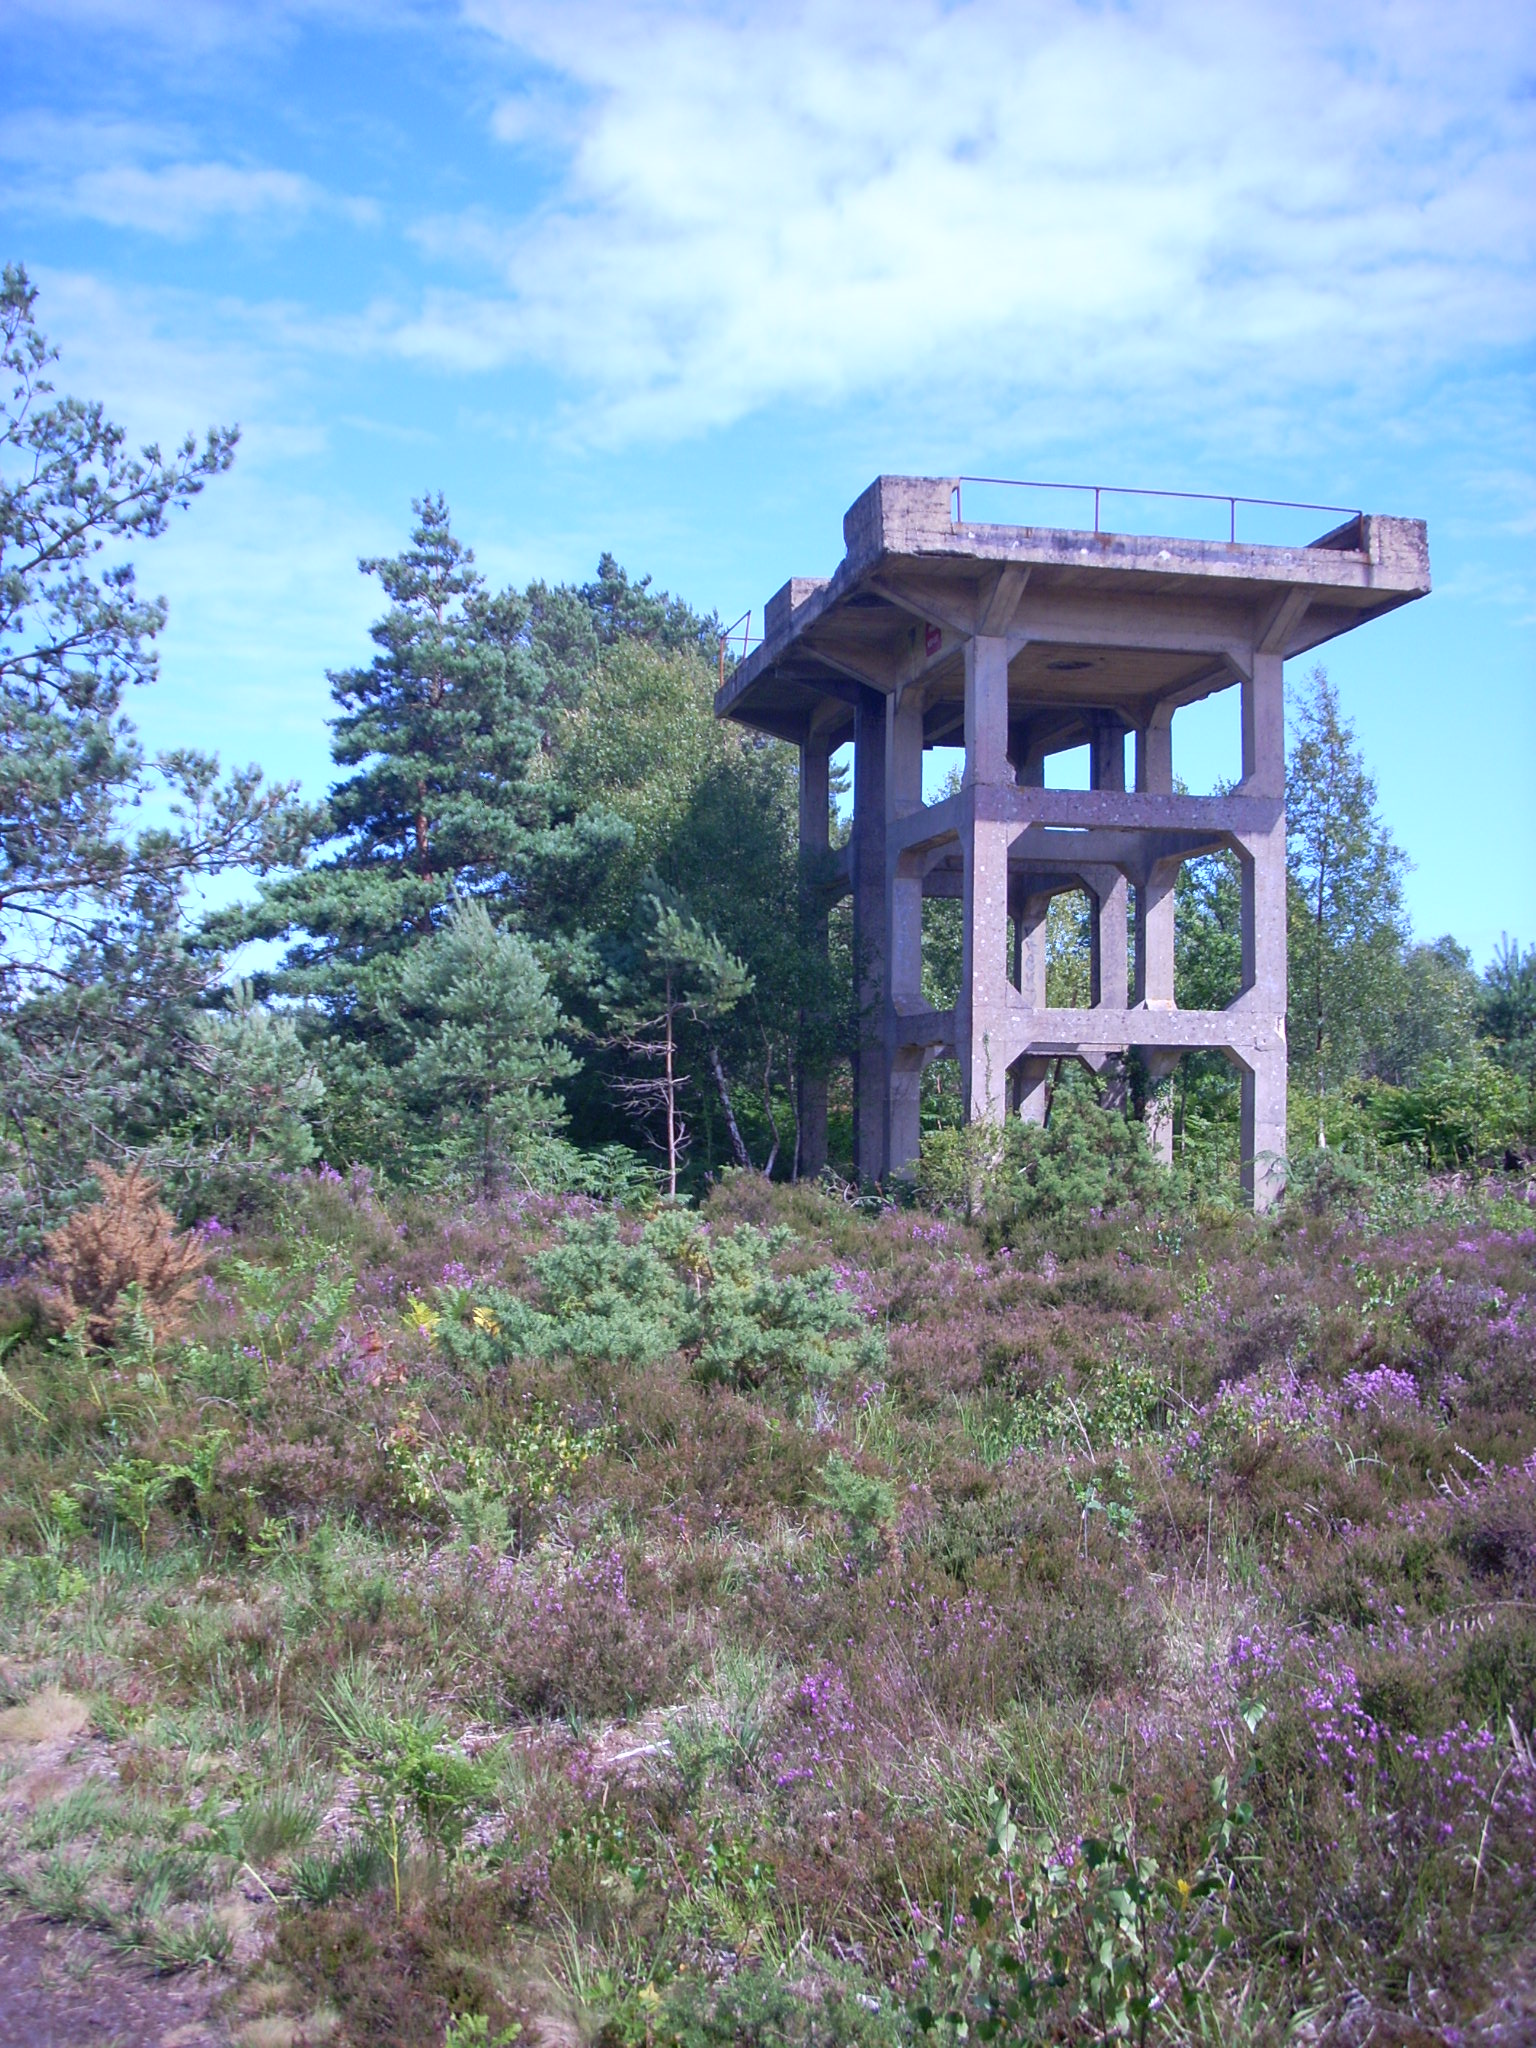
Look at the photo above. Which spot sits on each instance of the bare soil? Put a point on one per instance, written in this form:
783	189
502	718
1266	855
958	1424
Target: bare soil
64	1987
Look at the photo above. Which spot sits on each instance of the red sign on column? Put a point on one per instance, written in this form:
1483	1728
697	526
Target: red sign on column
933	639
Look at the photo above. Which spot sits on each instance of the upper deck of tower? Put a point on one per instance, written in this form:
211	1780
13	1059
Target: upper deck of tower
1095	621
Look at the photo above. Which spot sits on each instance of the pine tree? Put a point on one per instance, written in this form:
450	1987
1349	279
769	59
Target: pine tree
675	975
475	1010
447	796
98	992
1347	926
1507	1010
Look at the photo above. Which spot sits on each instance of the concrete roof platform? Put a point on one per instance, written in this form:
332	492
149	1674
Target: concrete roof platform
1096	623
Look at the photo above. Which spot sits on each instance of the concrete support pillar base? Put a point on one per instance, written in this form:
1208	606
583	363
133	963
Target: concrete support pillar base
812	1105
905	1128
868	874
1263	1127
1157	1114
1031	1089
815	823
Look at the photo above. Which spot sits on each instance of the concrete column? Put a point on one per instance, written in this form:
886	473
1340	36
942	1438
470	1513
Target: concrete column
1263	1124
815	780
1153	988
982	1019
1031	929
870	1081
1264	728
1264	932
1263	899
1111	899
1107	753
1157	1116
1154	753
904	923
1155	895
903	796
986	712
904	1131
1108	960
1030	1078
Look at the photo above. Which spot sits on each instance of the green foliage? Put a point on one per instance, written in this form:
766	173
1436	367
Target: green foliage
1429	1014
1123	1402
133	1488
672	975
746	1324
475	1010
1083	1159
473	2030
605	1299
319	1880
1460	1111
867	1504
1100	1945
614	1300
1507	1008
245	1107
407	1777
485	1489
604	1173
713	812
442	733
1347	924
97	992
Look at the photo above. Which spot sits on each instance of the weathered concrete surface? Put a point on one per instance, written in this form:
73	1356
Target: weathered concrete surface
1018	642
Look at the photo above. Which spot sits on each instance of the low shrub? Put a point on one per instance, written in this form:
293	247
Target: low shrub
121	1251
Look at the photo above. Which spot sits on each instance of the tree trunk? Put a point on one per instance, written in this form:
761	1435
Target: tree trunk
738	1144
773	1122
671	1101
794	1110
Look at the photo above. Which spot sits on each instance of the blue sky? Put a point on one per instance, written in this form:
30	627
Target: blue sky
678	277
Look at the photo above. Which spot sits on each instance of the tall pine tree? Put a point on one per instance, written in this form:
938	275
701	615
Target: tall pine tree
448	795
1347	922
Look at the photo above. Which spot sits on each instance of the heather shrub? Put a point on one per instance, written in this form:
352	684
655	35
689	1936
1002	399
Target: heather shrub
122	1249
751	1611
1002	1538
1494	1676
579	1645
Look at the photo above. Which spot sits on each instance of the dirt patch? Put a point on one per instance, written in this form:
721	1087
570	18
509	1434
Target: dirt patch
63	1987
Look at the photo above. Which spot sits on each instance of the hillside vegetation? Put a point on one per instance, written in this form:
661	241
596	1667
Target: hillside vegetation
489	1552
536	1621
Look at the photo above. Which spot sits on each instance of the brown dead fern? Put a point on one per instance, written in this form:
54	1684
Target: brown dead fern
126	1239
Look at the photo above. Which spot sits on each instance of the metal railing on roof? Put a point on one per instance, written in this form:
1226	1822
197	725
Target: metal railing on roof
738	635
1100	492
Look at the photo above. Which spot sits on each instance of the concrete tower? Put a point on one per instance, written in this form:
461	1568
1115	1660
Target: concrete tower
1022	641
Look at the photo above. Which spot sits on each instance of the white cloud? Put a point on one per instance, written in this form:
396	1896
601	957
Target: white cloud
762	203
107	171
181	199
